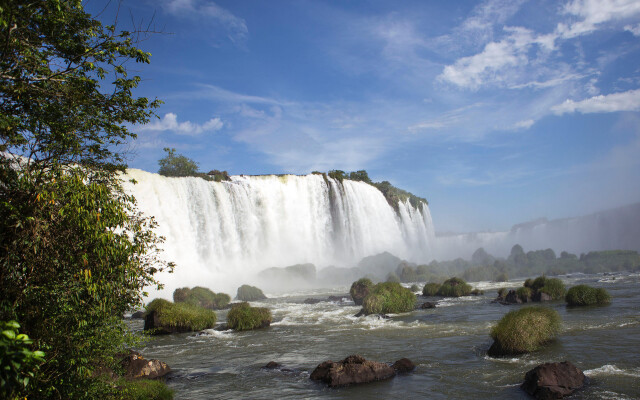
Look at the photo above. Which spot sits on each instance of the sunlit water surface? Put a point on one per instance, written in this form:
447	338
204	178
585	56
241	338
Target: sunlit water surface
448	344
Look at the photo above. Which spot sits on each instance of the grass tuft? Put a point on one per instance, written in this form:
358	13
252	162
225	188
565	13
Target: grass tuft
584	295
183	317
525	330
389	297
454	287
431	289
243	317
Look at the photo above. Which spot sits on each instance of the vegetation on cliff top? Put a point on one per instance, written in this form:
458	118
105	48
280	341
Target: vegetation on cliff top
249	293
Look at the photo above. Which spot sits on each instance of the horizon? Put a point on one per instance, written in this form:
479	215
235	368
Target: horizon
496	112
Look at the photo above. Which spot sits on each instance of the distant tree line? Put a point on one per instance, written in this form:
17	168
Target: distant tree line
485	267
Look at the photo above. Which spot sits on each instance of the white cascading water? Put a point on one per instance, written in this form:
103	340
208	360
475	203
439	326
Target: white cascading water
220	234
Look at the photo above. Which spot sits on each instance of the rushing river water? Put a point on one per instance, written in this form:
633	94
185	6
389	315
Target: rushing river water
448	344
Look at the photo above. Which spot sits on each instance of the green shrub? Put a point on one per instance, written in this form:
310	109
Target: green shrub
182	317
144	389
389	297
243	317
554	288
431	289
502	292
415	288
583	295
249	293
524	293
538	283
524	330
528	283
454	287
477	292
360	289
17	362
503	277
200	296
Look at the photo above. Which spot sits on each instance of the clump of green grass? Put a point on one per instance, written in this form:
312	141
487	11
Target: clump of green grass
201	296
584	295
502	277
502	292
524	293
360	289
554	288
144	389
431	289
477	292
243	317
454	287
389	297
415	288
524	330
182	317
249	293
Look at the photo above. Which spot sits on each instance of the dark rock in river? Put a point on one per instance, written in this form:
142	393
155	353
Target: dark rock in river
139	315
137	367
403	366
427	304
540	296
352	370
272	365
512	298
553	380
312	301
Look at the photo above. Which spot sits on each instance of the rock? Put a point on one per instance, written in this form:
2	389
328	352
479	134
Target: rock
512	298
553	380
427	304
540	296
137	367
272	365
338	299
312	301
138	315
352	370
403	366
360	313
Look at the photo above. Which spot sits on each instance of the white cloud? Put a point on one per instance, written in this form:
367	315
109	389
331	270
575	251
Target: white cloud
525	124
635	30
594	13
170	123
624	101
235	28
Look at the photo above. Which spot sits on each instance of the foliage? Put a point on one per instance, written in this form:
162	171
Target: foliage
176	165
360	289
243	317
75	254
524	293
389	297
202	297
526	329
415	288
502	292
183	317
454	287
431	289
361	176
554	288
393	277
395	195
584	295
143	389
610	260
17	361
249	293
337	175
477	292
502	277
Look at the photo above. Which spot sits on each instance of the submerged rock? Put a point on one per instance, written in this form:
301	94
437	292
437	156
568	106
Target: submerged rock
553	380
272	365
427	304
352	370
138	315
403	366
137	367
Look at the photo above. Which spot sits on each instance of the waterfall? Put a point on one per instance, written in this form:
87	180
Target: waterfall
220	234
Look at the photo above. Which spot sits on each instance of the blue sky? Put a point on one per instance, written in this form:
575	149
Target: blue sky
497	112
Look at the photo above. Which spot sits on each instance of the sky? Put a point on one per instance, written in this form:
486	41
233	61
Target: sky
498	112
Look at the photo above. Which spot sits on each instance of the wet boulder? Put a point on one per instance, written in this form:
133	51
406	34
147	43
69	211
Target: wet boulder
553	380
427	304
403	366
352	370
137	367
512	298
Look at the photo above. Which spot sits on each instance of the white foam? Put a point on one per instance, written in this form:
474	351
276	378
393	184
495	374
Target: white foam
609	369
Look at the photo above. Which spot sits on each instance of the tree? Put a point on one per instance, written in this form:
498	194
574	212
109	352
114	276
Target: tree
75	253
177	165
